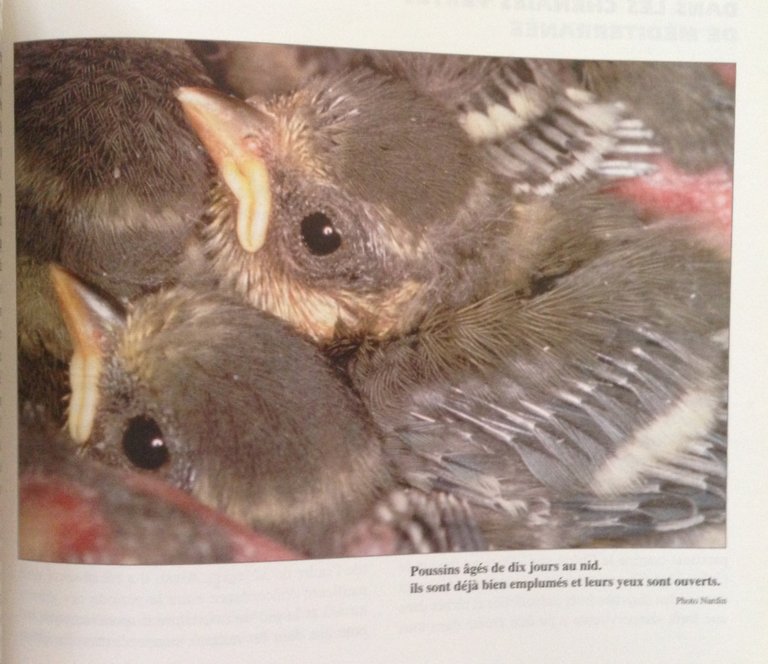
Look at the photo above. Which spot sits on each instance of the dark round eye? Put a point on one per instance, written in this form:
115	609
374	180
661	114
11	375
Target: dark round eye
319	235
143	444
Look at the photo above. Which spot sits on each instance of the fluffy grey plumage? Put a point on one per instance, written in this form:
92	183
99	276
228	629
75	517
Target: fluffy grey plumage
228	404
591	408
549	358
223	401
109	180
538	128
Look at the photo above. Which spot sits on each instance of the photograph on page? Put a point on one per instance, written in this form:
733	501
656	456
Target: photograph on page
279	302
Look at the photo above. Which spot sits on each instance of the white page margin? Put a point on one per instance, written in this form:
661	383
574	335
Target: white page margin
359	609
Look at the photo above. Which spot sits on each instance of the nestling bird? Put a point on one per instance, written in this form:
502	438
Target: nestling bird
366	144
537	350
110	182
225	402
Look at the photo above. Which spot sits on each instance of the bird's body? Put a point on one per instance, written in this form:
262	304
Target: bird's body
690	108
590	410
110	182
525	347
226	403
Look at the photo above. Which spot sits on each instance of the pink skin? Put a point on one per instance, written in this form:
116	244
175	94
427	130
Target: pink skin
67	520
706	199
62	520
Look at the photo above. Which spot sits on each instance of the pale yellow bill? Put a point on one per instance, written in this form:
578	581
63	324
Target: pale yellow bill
87	359
226	127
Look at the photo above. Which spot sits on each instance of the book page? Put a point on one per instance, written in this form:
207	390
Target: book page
550	604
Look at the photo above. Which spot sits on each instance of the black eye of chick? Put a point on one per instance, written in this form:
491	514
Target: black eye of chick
319	234
143	444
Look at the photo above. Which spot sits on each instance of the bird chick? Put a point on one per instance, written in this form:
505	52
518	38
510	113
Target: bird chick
589	409
221	401
110	181
225	402
364	177
550	358
536	124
